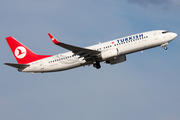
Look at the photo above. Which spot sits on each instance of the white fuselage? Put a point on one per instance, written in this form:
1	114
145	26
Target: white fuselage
125	45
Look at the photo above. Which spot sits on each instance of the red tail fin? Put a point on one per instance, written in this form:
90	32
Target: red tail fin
22	54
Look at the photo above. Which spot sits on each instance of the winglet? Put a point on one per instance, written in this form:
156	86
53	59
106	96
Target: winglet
53	39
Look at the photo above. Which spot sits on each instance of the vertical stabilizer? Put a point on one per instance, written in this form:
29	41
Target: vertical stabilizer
22	54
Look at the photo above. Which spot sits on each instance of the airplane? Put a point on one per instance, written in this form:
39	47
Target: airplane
112	52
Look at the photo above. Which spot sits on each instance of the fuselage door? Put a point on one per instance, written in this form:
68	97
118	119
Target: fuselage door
155	35
41	65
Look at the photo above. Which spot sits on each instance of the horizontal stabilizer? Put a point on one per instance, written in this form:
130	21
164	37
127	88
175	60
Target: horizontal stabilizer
17	65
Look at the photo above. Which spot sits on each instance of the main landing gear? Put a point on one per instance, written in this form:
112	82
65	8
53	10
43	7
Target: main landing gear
97	65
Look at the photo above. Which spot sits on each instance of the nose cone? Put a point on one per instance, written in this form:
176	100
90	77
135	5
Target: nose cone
174	35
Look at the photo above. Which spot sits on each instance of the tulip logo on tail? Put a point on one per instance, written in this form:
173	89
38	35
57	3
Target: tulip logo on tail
20	52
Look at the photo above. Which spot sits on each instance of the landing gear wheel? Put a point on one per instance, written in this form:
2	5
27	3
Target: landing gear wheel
97	65
94	65
165	48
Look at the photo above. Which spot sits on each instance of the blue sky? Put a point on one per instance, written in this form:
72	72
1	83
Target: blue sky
145	87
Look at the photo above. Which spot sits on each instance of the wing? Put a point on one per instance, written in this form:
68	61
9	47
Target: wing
83	52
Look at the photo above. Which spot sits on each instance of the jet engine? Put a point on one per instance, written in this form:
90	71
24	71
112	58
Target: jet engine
117	59
109	54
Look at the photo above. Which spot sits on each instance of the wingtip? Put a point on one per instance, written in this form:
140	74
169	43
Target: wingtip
53	39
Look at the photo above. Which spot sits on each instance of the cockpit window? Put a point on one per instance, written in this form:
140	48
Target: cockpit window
165	32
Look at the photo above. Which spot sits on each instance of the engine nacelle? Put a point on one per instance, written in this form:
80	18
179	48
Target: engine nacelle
109	54
118	59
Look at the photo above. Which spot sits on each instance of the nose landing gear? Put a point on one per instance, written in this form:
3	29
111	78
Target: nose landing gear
165	46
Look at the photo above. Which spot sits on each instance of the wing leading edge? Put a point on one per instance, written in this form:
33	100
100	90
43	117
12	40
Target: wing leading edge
83	52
